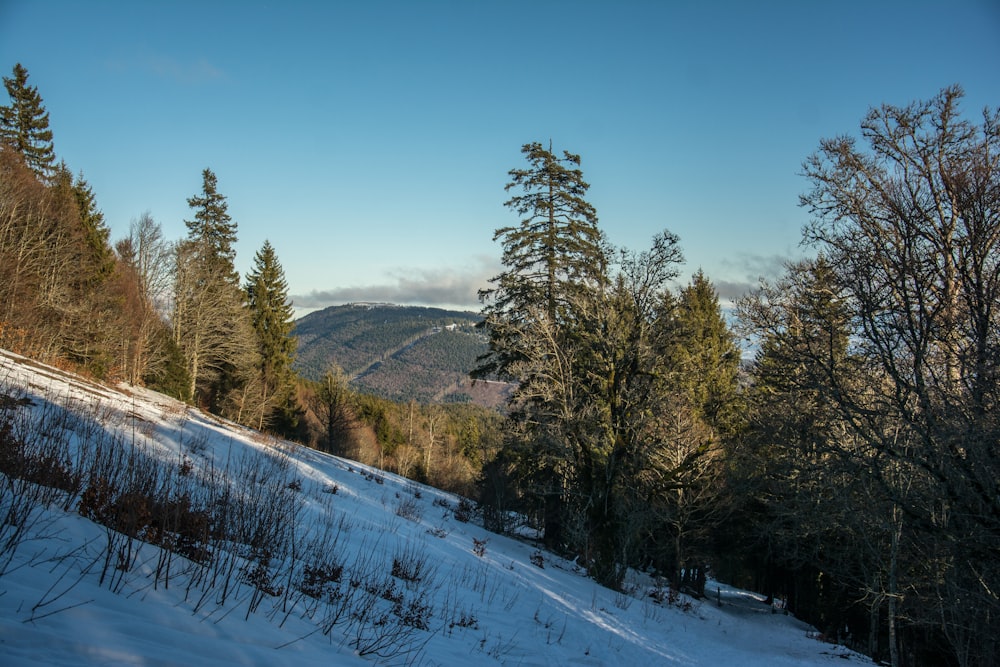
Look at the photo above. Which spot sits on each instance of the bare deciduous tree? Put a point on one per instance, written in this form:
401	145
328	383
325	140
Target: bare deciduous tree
145	270
910	225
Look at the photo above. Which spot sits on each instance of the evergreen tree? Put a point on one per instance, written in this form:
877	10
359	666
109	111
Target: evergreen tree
271	315
95	232
556	249
211	323
703	353
681	497
213	228
555	253
809	503
332	401
801	322
24	125
86	307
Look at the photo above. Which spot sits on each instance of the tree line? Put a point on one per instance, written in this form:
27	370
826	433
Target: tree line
176	316
145	310
850	469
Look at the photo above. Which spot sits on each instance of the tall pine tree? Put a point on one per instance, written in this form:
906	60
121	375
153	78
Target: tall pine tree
96	234
557	243
213	228
24	125
210	320
703	353
271	315
555	252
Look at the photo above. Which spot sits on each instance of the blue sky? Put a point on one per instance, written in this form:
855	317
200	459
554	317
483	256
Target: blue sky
370	141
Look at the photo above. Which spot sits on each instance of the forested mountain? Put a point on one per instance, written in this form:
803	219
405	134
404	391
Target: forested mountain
398	352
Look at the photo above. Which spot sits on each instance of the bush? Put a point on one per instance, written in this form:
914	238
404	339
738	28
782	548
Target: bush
409	509
464	510
479	547
317	579
410	565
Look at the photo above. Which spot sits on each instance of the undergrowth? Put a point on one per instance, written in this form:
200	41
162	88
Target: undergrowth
229	535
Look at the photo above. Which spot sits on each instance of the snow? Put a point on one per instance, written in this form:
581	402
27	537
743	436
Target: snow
497	608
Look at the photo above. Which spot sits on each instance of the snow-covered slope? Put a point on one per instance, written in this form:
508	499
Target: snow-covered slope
356	567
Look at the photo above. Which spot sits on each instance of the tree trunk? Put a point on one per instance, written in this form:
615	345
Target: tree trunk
194	370
894	585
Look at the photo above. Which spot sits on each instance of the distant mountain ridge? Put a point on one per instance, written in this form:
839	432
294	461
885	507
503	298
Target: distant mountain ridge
399	352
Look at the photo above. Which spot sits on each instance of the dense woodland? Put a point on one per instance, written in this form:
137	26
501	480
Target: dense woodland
851	469
361	334
402	353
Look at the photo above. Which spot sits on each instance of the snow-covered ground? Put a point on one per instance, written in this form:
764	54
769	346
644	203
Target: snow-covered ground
440	591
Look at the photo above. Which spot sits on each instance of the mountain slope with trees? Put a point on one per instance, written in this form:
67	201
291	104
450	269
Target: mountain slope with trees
850	472
398	352
172	537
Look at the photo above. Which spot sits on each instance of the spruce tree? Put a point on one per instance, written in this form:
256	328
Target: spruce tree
801	488
703	355
213	228
332	401
95	232
557	243
678	497
271	315
24	125
556	250
210	320
551	258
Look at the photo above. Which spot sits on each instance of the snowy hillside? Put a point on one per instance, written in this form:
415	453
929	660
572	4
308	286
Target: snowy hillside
231	548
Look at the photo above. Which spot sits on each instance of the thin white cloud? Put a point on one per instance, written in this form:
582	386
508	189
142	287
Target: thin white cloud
459	288
444	287
743	272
